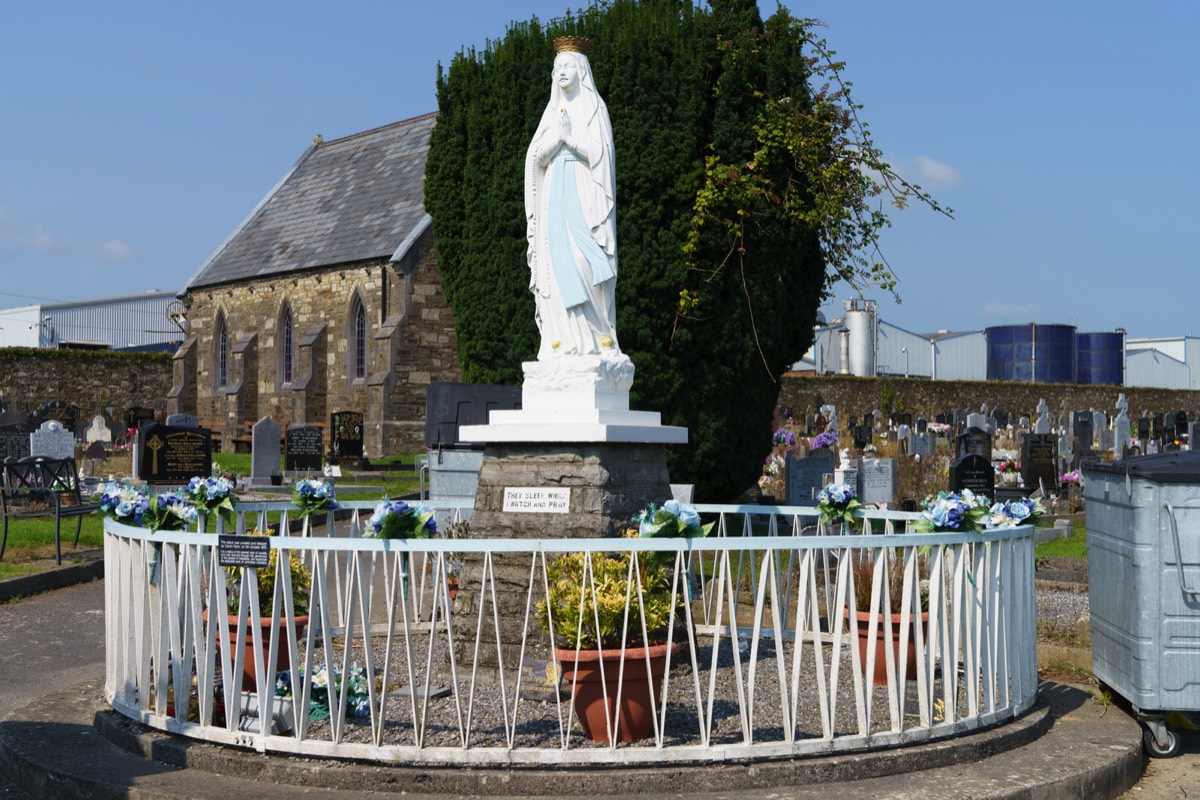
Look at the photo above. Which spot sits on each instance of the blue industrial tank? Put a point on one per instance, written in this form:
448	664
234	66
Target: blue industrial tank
1100	358
1031	353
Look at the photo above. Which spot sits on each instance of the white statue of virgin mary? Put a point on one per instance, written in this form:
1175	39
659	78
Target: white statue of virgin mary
570	213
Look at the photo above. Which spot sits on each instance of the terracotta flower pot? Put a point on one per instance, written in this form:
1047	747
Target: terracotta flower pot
588	679
865	643
249	671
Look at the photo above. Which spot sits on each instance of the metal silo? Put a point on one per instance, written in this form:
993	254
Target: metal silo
1100	358
1031	353
860	321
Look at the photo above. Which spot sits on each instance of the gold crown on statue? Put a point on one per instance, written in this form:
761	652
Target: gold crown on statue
572	44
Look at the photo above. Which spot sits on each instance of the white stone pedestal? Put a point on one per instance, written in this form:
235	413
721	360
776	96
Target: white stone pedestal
576	399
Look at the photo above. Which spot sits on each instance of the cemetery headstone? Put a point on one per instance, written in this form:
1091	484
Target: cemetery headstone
1121	434
61	412
134	416
95	451
973	472
1193	432
52	440
1156	427
940	419
14	440
264	451
1143	428
922	425
1064	450
921	444
183	421
98	431
1169	426
904	440
1043	417
1001	418
1023	423
1152	447
302	448
1081	430
1181	424
847	474
346	435
1039	461
978	421
172	454
804	477
877	480
975	441
906	418
862	436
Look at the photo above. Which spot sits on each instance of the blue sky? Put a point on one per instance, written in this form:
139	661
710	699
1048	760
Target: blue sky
136	135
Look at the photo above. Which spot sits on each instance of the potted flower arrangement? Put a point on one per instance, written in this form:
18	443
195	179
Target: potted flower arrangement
314	496
585	614
396	519
956	512
824	439
837	503
1009	473
301	583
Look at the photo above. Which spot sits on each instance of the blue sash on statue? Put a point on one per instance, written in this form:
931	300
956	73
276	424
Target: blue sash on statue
567	227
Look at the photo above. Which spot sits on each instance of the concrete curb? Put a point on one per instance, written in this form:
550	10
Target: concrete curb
1064	747
57	577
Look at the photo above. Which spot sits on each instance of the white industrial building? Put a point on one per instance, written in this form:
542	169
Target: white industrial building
142	321
862	344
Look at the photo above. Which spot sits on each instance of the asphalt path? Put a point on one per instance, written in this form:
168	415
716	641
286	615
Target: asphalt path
47	640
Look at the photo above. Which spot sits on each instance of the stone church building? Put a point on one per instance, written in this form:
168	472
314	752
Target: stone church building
326	298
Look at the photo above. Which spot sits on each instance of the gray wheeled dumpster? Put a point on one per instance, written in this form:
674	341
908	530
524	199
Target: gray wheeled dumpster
1143	540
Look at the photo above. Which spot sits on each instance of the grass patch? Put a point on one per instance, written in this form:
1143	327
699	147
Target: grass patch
32	539
1074	546
8	570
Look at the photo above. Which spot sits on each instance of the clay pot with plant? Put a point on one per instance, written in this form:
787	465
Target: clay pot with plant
862	568
301	588
585	588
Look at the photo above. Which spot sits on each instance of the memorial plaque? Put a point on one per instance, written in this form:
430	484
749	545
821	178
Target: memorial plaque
52	440
243	551
302	449
14	440
61	412
973	472
167	454
541	680
1039	461
536	500
877	480
346	435
804	477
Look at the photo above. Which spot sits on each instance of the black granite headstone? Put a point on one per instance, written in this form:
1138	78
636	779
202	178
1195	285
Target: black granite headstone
14	440
1143	428
974	441
973	472
1156	427
906	419
59	411
922	425
135	415
346	435
302	448
1039	461
862	436
173	455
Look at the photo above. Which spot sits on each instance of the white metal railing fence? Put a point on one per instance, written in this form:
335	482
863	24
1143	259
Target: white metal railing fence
767	666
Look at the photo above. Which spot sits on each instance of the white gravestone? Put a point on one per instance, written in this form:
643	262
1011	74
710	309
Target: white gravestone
98	431
877	480
1121	430
1042	425
52	441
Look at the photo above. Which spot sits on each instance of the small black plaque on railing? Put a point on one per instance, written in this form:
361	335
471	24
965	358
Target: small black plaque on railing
243	551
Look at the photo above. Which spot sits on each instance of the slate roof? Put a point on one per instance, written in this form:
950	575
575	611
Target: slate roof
350	199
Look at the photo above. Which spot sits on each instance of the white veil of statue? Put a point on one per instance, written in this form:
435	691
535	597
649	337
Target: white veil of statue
570	213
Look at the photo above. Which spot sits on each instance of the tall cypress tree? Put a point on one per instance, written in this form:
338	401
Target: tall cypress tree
711	314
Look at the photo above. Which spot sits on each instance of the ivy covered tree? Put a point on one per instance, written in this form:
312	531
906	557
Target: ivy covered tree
742	195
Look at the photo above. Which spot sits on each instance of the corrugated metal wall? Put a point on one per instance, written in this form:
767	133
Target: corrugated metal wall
120	322
962	357
1152	368
902	352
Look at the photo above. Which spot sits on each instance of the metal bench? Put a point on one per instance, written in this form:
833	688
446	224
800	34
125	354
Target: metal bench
43	487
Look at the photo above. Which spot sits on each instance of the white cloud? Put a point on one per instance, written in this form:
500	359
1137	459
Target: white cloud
933	174
116	251
1007	310
17	232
